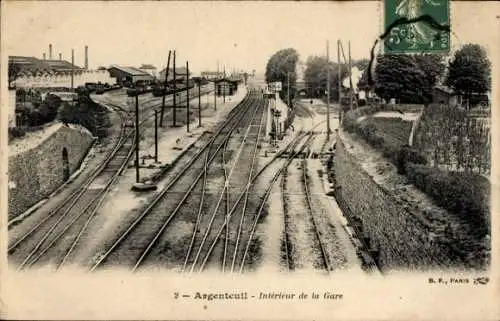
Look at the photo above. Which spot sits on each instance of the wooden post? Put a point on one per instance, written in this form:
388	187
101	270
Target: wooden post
137	138
215	95
339	82
72	66
350	75
199	104
175	93
156	136
165	87
328	89
187	96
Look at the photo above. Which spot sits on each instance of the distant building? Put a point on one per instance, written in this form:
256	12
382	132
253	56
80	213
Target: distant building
212	75
180	74
37	73
226	86
129	74
150	69
444	95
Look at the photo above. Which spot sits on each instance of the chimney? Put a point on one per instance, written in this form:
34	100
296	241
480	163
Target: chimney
44	56
86	57
50	51
60	56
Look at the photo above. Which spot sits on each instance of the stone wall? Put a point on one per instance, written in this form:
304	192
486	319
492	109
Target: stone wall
37	168
404	240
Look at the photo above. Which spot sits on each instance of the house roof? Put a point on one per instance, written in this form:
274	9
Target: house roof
147	66
130	70
61	65
33	65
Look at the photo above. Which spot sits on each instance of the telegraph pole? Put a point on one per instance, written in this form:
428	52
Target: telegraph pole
187	95
339	81
288	87
156	136
136	137
165	88
72	66
175	94
224	89
328	89
350	75
199	103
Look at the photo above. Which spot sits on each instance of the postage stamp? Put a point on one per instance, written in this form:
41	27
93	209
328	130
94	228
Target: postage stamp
416	26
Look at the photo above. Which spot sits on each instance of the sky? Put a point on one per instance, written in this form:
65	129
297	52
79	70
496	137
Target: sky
241	35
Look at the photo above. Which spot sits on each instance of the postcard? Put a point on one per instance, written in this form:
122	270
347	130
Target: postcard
250	160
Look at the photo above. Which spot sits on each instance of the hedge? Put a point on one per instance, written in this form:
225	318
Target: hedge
465	194
397	153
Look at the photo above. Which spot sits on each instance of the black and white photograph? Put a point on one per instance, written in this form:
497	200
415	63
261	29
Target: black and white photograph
226	141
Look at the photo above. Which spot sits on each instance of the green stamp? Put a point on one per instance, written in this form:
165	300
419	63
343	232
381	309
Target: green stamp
421	36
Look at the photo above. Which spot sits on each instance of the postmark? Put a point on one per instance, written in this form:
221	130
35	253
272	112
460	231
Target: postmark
413	26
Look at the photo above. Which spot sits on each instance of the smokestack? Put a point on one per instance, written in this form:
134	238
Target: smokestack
60	56
86	57
50	51
44	56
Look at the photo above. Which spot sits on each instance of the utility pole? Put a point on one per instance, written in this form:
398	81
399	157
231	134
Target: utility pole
350	75
288	87
328	89
187	95
156	136
175	93
199	103
165	89
340	82
72	66
225	86
136	137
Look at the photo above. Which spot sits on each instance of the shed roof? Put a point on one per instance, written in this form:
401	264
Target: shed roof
32	64
130	70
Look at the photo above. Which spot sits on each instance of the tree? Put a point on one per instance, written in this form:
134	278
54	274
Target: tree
14	71
281	65
316	75
408	78
470	71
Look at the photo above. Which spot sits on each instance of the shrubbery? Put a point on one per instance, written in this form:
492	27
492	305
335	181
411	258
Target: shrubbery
39	113
399	154
87	114
15	132
462	193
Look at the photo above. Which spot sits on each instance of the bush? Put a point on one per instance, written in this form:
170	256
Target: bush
16	132
465	194
87	114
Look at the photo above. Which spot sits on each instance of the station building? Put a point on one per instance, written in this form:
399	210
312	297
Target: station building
127	75
226	86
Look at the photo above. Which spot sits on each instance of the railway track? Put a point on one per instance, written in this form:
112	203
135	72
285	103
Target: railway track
47	240
28	248
230	168
134	244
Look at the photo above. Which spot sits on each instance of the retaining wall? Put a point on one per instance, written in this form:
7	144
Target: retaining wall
35	171
403	240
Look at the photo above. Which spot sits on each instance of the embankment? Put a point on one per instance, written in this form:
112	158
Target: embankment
42	161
